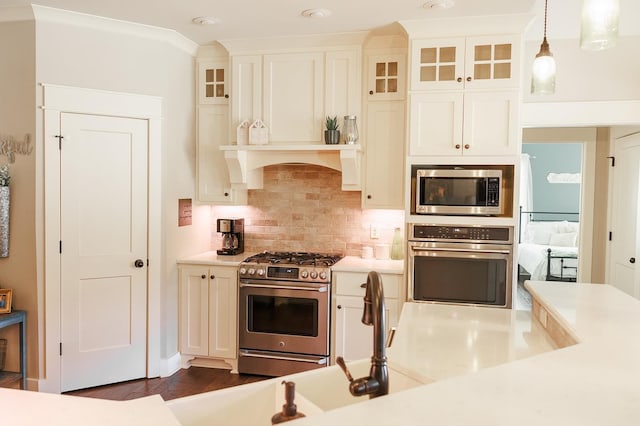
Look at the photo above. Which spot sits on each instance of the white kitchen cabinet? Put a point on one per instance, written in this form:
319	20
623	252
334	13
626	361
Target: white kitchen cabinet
354	340
293	103
384	155
482	62
246	87
213	81
464	123
386	77
293	92
214	184
208	312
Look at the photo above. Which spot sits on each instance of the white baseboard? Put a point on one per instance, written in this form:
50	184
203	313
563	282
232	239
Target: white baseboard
170	365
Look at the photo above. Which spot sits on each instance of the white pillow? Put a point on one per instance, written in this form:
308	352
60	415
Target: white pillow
541	236
564	239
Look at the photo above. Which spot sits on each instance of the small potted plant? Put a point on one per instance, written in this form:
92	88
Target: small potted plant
332	134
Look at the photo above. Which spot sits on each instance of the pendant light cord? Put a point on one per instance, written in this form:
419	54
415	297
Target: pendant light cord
545	20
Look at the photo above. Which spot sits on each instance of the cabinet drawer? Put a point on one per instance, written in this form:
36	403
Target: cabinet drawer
348	283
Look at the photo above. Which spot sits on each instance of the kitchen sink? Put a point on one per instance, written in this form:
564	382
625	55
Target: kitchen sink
317	391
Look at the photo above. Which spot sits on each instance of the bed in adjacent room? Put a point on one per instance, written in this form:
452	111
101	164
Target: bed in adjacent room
548	249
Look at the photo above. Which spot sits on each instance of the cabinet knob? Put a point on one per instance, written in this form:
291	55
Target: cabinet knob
339	306
203	276
371	92
459	79
457	146
213	277
468	78
226	194
632	260
466	146
369	197
226	96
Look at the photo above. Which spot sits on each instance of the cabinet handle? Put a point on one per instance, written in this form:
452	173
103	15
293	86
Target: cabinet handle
459	79
213	277
203	276
468	78
466	146
457	146
339	306
371	92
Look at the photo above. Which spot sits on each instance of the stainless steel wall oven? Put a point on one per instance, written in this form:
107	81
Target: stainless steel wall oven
461	264
284	312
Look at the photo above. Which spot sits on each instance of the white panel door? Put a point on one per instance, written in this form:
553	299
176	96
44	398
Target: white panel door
624	222
223	312
293	97
436	124
490	123
104	231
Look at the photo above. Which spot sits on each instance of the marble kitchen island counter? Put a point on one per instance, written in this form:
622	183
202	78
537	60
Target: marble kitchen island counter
594	382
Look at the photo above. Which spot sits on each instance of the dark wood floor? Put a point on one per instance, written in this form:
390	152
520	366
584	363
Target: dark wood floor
184	382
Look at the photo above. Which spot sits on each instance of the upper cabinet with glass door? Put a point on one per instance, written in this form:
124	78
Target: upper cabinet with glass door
213	82
386	77
485	62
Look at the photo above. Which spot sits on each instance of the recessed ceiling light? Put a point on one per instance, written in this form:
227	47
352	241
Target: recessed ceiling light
438	4
316	13
205	20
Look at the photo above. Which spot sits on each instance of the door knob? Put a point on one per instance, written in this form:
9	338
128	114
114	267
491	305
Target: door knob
632	260
139	263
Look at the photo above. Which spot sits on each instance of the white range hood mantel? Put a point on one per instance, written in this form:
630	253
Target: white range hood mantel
246	162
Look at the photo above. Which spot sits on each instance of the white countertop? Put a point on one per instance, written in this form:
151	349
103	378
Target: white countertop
346	264
34	408
491	367
595	382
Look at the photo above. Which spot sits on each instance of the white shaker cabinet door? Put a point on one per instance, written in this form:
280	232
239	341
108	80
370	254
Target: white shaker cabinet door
436	123
293	97
246	89
194	311
223	312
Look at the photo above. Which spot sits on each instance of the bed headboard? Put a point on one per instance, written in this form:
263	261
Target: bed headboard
549	222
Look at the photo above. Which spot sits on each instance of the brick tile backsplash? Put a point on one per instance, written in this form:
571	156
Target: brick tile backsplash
303	208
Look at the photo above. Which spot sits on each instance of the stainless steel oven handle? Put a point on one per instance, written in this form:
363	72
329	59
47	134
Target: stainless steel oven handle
322	289
460	250
287	358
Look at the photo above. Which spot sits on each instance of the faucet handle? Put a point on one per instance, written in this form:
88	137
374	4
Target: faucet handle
341	363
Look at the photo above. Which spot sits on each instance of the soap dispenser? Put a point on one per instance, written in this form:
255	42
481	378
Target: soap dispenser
289	409
397	246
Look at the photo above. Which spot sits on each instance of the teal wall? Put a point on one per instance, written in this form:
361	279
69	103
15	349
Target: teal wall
554	197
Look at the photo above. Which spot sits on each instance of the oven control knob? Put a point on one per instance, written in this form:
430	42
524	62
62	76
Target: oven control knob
304	273
243	270
252	271
314	275
260	272
323	275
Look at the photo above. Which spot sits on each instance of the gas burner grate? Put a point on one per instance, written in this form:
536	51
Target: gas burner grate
296	258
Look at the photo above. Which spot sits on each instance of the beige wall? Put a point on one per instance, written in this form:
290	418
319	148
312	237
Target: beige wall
302	208
17	118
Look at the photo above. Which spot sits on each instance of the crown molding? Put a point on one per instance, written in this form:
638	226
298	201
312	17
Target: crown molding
468	26
49	14
293	43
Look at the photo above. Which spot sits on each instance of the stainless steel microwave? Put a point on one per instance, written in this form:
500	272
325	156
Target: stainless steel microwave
459	191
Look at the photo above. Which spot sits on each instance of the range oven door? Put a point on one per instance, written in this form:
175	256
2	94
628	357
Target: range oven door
285	317
461	273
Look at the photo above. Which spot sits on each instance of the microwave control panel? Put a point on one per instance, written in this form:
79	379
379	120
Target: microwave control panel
461	233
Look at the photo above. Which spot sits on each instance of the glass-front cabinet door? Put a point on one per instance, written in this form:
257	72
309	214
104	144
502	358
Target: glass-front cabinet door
386	77
465	63
213	82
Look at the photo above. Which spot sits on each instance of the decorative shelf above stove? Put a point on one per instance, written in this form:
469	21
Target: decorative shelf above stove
245	162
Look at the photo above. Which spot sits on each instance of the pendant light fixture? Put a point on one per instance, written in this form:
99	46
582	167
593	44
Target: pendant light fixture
599	29
543	75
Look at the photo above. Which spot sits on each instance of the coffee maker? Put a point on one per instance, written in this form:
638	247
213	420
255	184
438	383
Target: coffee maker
232	236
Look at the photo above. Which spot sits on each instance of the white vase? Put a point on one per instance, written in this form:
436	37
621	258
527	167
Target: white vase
4	221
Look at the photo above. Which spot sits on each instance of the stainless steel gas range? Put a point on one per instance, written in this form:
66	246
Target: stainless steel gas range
284	312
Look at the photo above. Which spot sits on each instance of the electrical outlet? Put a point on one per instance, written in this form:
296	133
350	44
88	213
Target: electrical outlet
374	232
